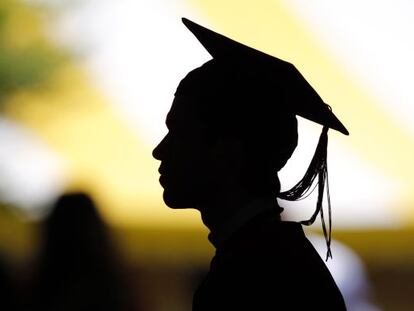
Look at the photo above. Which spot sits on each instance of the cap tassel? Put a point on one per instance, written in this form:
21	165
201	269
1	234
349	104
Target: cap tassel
317	168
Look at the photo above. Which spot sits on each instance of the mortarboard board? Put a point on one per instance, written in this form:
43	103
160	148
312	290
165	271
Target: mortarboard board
300	98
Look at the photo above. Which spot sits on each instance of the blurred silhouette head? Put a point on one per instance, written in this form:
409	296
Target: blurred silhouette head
233	123
78	268
74	226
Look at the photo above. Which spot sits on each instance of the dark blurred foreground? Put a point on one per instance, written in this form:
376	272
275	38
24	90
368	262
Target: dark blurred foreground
156	268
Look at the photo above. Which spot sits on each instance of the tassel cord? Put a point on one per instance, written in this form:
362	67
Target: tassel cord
317	168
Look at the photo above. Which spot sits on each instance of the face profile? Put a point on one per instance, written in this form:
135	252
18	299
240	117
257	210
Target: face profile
182	153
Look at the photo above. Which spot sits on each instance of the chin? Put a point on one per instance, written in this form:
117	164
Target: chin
176	201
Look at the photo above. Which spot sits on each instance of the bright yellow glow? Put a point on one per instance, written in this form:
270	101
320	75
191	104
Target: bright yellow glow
269	26
102	154
106	157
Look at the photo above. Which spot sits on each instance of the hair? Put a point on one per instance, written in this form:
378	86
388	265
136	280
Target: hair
318	168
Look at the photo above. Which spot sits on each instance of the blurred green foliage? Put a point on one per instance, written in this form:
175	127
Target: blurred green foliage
27	57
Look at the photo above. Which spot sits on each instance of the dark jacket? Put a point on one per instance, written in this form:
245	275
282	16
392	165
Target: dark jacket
268	265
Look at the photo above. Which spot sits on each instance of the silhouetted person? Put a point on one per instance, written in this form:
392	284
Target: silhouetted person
232	127
78	269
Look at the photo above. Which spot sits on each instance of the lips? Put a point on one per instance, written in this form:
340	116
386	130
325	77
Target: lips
161	170
162	180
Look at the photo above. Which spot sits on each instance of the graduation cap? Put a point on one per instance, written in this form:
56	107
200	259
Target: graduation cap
299	98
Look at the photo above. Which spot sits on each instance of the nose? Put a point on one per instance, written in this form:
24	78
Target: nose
158	151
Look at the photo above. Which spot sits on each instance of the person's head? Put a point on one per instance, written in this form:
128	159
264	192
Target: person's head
226	132
74	229
233	124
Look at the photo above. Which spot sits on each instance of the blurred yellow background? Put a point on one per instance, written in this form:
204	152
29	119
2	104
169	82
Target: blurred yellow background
101	109
87	85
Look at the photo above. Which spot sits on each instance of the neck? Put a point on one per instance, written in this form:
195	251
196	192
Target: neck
216	212
227	216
